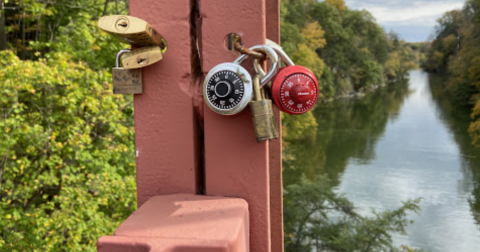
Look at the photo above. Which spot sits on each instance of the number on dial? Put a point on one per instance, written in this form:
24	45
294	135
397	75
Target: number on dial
226	85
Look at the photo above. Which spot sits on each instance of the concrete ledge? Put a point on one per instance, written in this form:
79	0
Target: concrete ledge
183	222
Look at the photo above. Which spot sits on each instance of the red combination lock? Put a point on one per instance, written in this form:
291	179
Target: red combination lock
294	89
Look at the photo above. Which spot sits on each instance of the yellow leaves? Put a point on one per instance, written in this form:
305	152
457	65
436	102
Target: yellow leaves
339	4
299	126
61	78
96	47
438	55
307	57
476	108
314	35
474	71
106	85
104	201
449	43
474	128
474	131
27	72
58	87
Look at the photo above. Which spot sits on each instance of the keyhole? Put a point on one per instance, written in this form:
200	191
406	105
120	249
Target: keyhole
142	60
122	24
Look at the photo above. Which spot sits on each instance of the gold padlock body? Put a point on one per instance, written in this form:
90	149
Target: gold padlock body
127	81
142	57
264	121
130	30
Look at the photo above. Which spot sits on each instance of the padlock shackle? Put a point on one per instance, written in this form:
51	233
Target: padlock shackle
281	53
273	59
257	95
119	54
284	56
258	68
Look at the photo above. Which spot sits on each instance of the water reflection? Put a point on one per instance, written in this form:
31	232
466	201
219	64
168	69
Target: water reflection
347	128
457	121
404	141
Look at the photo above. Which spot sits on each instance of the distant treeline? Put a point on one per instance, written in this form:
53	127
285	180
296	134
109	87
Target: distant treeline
345	48
455	50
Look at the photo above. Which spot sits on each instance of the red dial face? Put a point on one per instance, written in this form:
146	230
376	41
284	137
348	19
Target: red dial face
295	90
298	93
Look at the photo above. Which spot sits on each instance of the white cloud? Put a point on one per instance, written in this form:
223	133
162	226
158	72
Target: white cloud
413	19
419	13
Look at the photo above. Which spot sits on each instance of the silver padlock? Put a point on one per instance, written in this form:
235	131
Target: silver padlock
126	81
227	88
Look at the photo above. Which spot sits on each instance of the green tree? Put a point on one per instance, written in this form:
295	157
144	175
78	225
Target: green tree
317	218
67	168
66	155
353	47
3	34
455	51
63	26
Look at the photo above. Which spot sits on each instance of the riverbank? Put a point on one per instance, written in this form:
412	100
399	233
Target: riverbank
352	94
404	141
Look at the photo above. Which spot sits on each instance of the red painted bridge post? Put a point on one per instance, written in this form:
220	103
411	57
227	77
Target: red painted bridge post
164	116
236	165
184	149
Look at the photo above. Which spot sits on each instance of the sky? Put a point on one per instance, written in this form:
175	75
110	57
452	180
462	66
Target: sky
413	20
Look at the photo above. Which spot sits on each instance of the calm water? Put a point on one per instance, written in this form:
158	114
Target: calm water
402	142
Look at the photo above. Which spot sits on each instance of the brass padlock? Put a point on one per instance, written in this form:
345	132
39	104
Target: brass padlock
142	57
263	118
131	30
126	81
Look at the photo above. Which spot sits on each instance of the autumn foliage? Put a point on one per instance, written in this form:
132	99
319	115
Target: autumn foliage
455	51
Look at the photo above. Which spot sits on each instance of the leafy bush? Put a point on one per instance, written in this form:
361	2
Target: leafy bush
66	155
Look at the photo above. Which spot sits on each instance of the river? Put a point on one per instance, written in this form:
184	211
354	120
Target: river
405	141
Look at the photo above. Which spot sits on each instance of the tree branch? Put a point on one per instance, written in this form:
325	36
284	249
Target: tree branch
105	7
